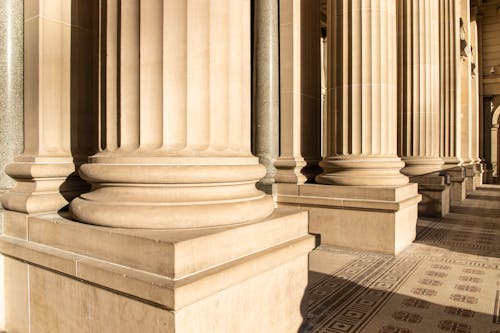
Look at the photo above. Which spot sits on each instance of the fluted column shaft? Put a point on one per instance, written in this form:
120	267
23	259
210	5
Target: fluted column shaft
475	73
176	118
361	97
300	91
52	89
449	64
418	66
265	125
466	82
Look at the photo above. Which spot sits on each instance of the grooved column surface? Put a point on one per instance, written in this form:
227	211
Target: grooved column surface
418	66
466	83
474	106
361	95
11	85
449	62
265	124
300	91
175	108
57	35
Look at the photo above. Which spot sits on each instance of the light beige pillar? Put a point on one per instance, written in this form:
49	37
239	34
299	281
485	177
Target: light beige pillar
265	126
449	64
176	118
419	85
42	170
362	95
465	78
494	132
300	91
474	103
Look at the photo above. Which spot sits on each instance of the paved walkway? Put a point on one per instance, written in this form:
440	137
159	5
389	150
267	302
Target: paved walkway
447	281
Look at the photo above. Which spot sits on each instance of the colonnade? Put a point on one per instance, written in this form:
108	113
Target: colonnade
149	119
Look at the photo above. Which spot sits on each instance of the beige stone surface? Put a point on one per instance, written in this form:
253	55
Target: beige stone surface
435	190
16	298
368	218
61	304
300	91
273	301
174	281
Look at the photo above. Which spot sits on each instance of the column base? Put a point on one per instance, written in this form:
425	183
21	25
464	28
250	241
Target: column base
478	175
164	193
43	184
470	173
458	184
380	219
435	191
236	279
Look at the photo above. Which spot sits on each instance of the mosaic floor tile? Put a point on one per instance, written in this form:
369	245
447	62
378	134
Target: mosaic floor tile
448	280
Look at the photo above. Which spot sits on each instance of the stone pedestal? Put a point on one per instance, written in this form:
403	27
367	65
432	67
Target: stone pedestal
470	173
458	184
435	191
246	278
380	219
478	174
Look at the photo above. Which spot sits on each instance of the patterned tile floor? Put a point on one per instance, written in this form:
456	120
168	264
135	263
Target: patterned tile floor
447	281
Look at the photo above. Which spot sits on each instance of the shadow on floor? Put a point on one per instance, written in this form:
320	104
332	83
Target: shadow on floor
372	305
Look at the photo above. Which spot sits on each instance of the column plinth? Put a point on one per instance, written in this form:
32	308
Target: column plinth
176	144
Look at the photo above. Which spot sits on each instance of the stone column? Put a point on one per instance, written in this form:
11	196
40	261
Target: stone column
465	78
475	95
361	97
176	118
42	170
300	91
466	92
265	120
449	62
11	86
494	135
474	86
419	85
450	101
361	200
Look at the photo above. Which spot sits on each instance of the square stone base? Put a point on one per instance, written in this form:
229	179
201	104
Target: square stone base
458	185
64	276
435	191
380	219
470	174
